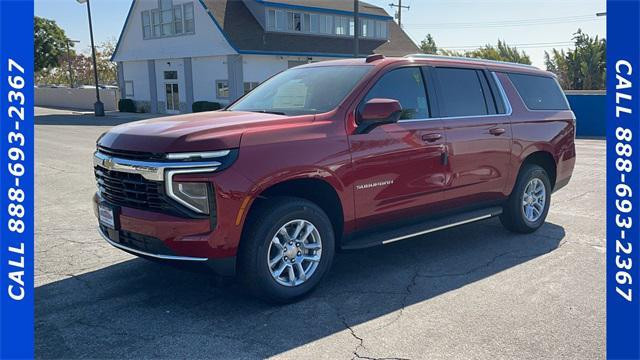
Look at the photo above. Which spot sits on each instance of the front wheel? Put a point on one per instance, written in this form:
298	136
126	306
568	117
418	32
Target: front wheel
527	207
287	249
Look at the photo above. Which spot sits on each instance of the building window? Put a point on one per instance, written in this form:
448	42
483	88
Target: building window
281	20
248	86
155	19
128	89
294	21
222	89
189	25
146	24
341	25
381	29
271	19
168	20
171	75
368	28
177	20
326	24
315	23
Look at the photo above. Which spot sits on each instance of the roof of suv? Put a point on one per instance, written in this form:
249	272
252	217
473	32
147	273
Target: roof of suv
438	60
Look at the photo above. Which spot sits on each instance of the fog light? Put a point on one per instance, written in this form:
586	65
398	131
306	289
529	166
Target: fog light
193	195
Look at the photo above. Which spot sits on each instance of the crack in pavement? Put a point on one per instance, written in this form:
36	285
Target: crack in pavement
413	280
356	354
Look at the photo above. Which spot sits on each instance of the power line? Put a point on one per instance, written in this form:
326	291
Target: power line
521	22
522	46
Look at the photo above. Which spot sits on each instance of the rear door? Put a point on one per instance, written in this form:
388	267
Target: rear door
478	132
398	169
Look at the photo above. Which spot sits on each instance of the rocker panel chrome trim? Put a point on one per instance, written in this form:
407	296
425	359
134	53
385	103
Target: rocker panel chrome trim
437	229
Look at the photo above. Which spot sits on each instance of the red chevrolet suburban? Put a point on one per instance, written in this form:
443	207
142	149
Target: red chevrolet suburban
336	155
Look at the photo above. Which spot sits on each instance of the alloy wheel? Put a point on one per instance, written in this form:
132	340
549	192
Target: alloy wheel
534	200
294	253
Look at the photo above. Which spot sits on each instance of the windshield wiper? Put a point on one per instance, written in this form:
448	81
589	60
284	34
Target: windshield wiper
267	112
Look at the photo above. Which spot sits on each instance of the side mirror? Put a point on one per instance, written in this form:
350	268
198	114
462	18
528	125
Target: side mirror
377	112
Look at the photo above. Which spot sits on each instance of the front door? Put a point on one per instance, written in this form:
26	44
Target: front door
172	92
398	168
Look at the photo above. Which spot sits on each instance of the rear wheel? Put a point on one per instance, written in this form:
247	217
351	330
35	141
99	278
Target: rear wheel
527	207
287	249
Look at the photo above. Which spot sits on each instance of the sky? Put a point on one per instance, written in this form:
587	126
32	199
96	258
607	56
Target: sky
532	25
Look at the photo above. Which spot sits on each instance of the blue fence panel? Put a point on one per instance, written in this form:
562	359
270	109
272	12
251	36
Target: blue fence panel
590	114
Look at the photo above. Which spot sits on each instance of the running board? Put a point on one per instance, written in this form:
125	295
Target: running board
429	226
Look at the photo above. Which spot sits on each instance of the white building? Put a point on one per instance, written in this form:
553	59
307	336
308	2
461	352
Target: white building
174	52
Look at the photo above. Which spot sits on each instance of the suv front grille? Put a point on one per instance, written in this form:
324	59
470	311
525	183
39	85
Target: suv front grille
131	190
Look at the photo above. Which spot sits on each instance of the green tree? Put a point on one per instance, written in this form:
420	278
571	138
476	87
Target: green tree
50	44
501	52
428	45
82	68
582	68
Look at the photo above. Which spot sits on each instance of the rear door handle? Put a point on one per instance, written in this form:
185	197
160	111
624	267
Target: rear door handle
432	137
497	131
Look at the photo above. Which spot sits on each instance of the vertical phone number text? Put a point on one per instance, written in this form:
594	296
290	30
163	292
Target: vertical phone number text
15	163
623	189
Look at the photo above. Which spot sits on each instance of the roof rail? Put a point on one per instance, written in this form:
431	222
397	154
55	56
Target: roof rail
430	56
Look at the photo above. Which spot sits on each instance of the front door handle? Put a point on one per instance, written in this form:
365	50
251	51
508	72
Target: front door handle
497	131
431	137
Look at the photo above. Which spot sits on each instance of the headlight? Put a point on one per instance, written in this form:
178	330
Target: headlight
193	195
196	196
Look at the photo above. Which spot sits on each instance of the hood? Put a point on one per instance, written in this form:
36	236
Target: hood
216	130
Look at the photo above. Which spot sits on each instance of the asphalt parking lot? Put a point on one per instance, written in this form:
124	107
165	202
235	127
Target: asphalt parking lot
473	292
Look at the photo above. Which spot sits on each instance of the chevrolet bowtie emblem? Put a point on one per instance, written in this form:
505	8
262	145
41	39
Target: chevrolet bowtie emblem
108	163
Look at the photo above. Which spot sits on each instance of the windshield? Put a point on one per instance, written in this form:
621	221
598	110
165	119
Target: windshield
300	91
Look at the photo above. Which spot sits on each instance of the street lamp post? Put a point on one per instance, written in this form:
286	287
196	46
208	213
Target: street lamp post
69	61
98	107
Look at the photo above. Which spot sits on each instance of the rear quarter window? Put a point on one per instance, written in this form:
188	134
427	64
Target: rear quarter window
539	92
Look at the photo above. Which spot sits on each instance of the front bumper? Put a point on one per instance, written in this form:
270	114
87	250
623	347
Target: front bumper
167	237
221	266
150	224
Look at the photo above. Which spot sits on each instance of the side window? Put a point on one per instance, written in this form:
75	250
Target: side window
460	92
539	92
406	86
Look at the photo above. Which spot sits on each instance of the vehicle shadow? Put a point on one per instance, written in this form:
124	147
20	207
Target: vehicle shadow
142	309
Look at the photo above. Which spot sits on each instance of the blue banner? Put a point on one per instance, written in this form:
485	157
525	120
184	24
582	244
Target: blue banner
16	179
623	182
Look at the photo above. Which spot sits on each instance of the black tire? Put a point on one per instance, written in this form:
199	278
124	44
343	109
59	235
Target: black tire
513	217
269	216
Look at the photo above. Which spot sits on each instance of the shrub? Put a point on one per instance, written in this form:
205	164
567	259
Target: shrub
126	105
200	106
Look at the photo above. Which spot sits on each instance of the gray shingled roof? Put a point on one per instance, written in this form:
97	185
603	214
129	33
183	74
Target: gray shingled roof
247	35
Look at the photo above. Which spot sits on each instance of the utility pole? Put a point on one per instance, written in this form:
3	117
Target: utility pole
400	7
71	82
356	26
98	107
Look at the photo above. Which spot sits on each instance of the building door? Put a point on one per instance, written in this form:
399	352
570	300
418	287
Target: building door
172	92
